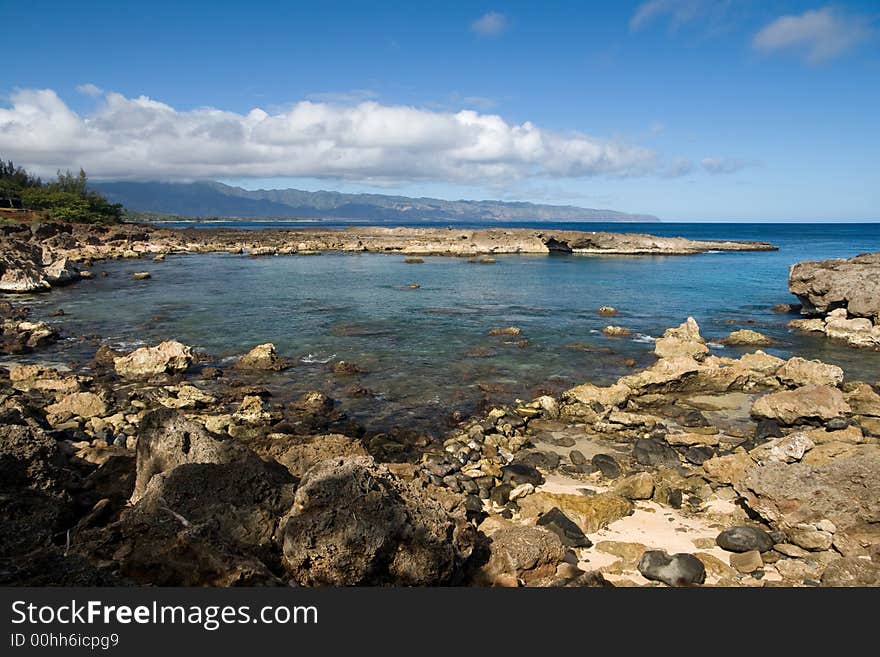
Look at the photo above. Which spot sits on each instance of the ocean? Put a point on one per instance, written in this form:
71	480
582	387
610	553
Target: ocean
426	353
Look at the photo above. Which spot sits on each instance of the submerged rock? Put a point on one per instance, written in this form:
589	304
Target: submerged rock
746	337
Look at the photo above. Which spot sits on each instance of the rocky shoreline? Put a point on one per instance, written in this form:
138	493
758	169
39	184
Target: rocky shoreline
147	468
47	255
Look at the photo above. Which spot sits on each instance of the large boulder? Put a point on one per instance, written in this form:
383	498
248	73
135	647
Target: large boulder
299	453
211	524
21	267
78	404
166	358
853	284
805	404
354	523
845	491
167	439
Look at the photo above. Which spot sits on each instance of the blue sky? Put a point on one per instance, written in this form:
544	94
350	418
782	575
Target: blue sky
686	109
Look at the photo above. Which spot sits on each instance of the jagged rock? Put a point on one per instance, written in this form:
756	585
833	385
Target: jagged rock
797	372
166	358
61	272
299	453
786	449
527	553
845	491
746	337
43	379
808	403
166	439
853	284
206	524
262	357
79	404
673	570
685	340
354	523
863	400
21	267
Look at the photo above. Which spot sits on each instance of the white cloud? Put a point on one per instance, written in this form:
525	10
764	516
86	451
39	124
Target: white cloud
678	11
819	34
490	24
721	165
368	142
89	89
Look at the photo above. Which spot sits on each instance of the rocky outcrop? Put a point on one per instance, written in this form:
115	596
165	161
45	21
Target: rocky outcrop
354	523
844	293
166	358
803	405
262	357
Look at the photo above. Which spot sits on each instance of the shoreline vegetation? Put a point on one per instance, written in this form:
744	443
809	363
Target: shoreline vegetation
148	468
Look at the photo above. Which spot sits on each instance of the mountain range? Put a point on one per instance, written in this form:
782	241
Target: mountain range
216	200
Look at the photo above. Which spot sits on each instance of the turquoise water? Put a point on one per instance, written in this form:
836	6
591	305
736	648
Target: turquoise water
426	352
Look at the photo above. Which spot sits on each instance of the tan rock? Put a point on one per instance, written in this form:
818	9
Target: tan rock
747	562
616	331
797	372
639	486
801	404
746	337
79	404
786	449
684	340
588	393
852	434
590	513
692	439
761	362
728	469
261	357
629	553
863	400
166	358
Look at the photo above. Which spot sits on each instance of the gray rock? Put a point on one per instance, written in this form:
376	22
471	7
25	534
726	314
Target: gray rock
673	570
607	465
744	538
654	453
521	473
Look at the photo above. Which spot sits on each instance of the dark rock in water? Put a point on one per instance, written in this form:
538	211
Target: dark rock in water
674	570
607	465
567	531
521	473
744	538
699	454
354	523
501	494
545	460
652	452
837	424
767	429
851	571
576	457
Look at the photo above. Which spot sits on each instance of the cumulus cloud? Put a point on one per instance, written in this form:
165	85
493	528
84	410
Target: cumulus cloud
721	165
89	89
147	139
490	24
819	34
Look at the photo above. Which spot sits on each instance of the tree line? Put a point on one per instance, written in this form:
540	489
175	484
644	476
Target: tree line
67	198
